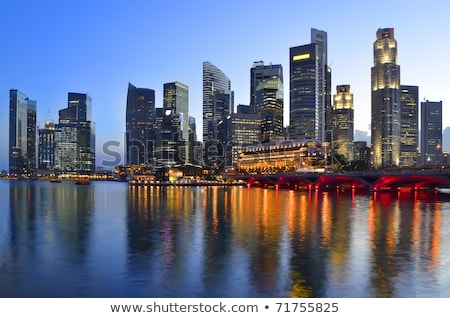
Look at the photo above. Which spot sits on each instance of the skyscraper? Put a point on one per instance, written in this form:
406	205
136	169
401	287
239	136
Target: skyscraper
75	136
386	114
304	99
22	133
409	134
47	146
267	99
343	122
140	114
324	107
176	98
431	133
218	100
310	90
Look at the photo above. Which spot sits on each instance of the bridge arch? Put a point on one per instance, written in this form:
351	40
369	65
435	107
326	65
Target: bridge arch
293	182
413	182
329	182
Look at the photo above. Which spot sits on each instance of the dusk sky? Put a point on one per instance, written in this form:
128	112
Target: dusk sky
50	48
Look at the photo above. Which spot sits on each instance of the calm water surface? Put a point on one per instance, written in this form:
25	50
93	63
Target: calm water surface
108	239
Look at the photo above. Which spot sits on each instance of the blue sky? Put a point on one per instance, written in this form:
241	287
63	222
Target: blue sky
51	47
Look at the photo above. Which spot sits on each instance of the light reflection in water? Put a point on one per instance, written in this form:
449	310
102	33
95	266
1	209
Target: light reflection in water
114	240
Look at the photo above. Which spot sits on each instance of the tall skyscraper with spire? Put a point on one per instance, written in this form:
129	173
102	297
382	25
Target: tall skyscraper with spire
386	105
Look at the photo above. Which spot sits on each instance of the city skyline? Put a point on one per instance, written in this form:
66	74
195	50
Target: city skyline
48	61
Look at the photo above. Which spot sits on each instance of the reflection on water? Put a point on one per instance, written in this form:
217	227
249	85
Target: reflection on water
112	240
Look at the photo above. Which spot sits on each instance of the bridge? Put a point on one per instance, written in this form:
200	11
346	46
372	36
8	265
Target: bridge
373	181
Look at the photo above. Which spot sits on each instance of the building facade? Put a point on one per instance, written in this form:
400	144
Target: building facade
218	101
215	82
343	122
267	99
75	136
240	130
409	133
22	134
47	146
176	98
140	118
431	133
304	98
386	114
324	107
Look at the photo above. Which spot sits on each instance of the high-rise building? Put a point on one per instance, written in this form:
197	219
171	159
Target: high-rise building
431	133
47	146
324	107
215	86
140	118
167	139
310	90
22	133
386	112
218	101
409	133
176	98
343	122
304	99
75	136
267	99
239	130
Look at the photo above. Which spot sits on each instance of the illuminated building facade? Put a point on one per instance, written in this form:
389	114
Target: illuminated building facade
409	137
22	133
75	136
386	114
267	99
304	97
140	117
343	122
431	133
288	156
176	98
240	130
47	146
167	140
310	90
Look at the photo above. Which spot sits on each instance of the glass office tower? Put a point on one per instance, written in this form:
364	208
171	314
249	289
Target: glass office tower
409	137
267	99
386	104
75	136
304	95
218	100
140	117
324	107
431	133
22	134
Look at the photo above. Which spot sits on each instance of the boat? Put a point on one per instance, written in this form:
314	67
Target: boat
83	182
55	180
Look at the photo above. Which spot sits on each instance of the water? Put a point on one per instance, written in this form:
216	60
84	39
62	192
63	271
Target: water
108	239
